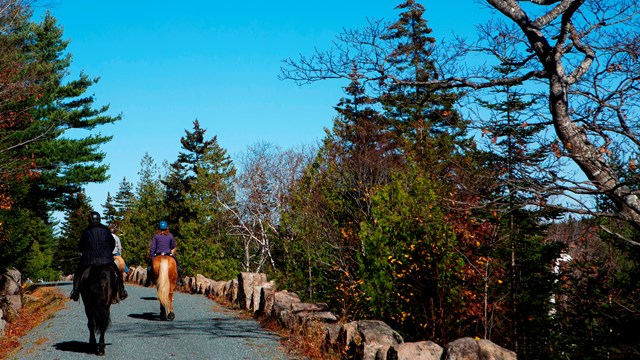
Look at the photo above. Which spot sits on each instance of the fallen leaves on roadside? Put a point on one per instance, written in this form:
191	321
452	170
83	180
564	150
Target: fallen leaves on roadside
38	305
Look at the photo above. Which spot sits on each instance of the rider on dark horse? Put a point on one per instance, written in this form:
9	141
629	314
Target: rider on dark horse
162	244
96	246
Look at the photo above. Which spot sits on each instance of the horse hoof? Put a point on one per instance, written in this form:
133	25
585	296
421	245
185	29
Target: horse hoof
100	351
171	316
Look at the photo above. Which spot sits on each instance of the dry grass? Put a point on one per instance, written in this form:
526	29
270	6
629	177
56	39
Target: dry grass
39	305
307	344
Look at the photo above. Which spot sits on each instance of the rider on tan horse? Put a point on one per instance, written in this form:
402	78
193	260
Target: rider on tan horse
166	275
163	243
117	251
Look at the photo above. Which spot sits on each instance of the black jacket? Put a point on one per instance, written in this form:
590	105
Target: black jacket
96	245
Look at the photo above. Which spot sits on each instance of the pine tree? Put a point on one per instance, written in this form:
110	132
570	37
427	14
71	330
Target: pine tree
523	175
377	144
147	210
194	146
110	213
58	165
67	253
23	230
423	118
176	184
412	273
39	264
417	246
20	81
117	207
596	311
64	163
183	173
356	156
205	245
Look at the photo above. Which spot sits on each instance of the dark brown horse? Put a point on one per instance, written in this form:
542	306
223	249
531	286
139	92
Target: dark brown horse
166	275
98	287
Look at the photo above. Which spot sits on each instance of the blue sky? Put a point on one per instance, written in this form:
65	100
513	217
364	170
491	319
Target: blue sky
164	64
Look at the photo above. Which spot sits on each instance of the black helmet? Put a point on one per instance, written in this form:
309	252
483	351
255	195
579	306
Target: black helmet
94	217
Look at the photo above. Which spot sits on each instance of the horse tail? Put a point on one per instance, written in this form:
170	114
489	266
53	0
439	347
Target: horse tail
163	284
102	290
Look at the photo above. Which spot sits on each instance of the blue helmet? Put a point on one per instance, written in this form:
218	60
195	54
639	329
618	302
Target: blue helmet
163	225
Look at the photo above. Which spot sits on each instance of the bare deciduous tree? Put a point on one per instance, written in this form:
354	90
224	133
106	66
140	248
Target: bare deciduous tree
262	188
581	54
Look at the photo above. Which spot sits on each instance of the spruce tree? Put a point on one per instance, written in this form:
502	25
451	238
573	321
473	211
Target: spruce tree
205	245
110	213
423	119
67	254
147	210
418	245
176	184
116	207
376	148
183	172
523	177
356	157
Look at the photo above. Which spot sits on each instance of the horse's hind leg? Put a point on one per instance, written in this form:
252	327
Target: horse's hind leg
92	336
101	327
171	315
92	330
163	313
100	349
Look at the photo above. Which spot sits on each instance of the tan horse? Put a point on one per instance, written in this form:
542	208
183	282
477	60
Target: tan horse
166	275
120	262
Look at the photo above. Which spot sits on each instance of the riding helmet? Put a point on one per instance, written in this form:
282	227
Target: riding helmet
94	217
163	225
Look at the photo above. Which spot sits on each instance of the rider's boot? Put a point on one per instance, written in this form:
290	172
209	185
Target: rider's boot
180	279
123	292
75	292
149	275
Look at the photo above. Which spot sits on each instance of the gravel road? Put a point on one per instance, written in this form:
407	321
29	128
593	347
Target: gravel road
202	329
